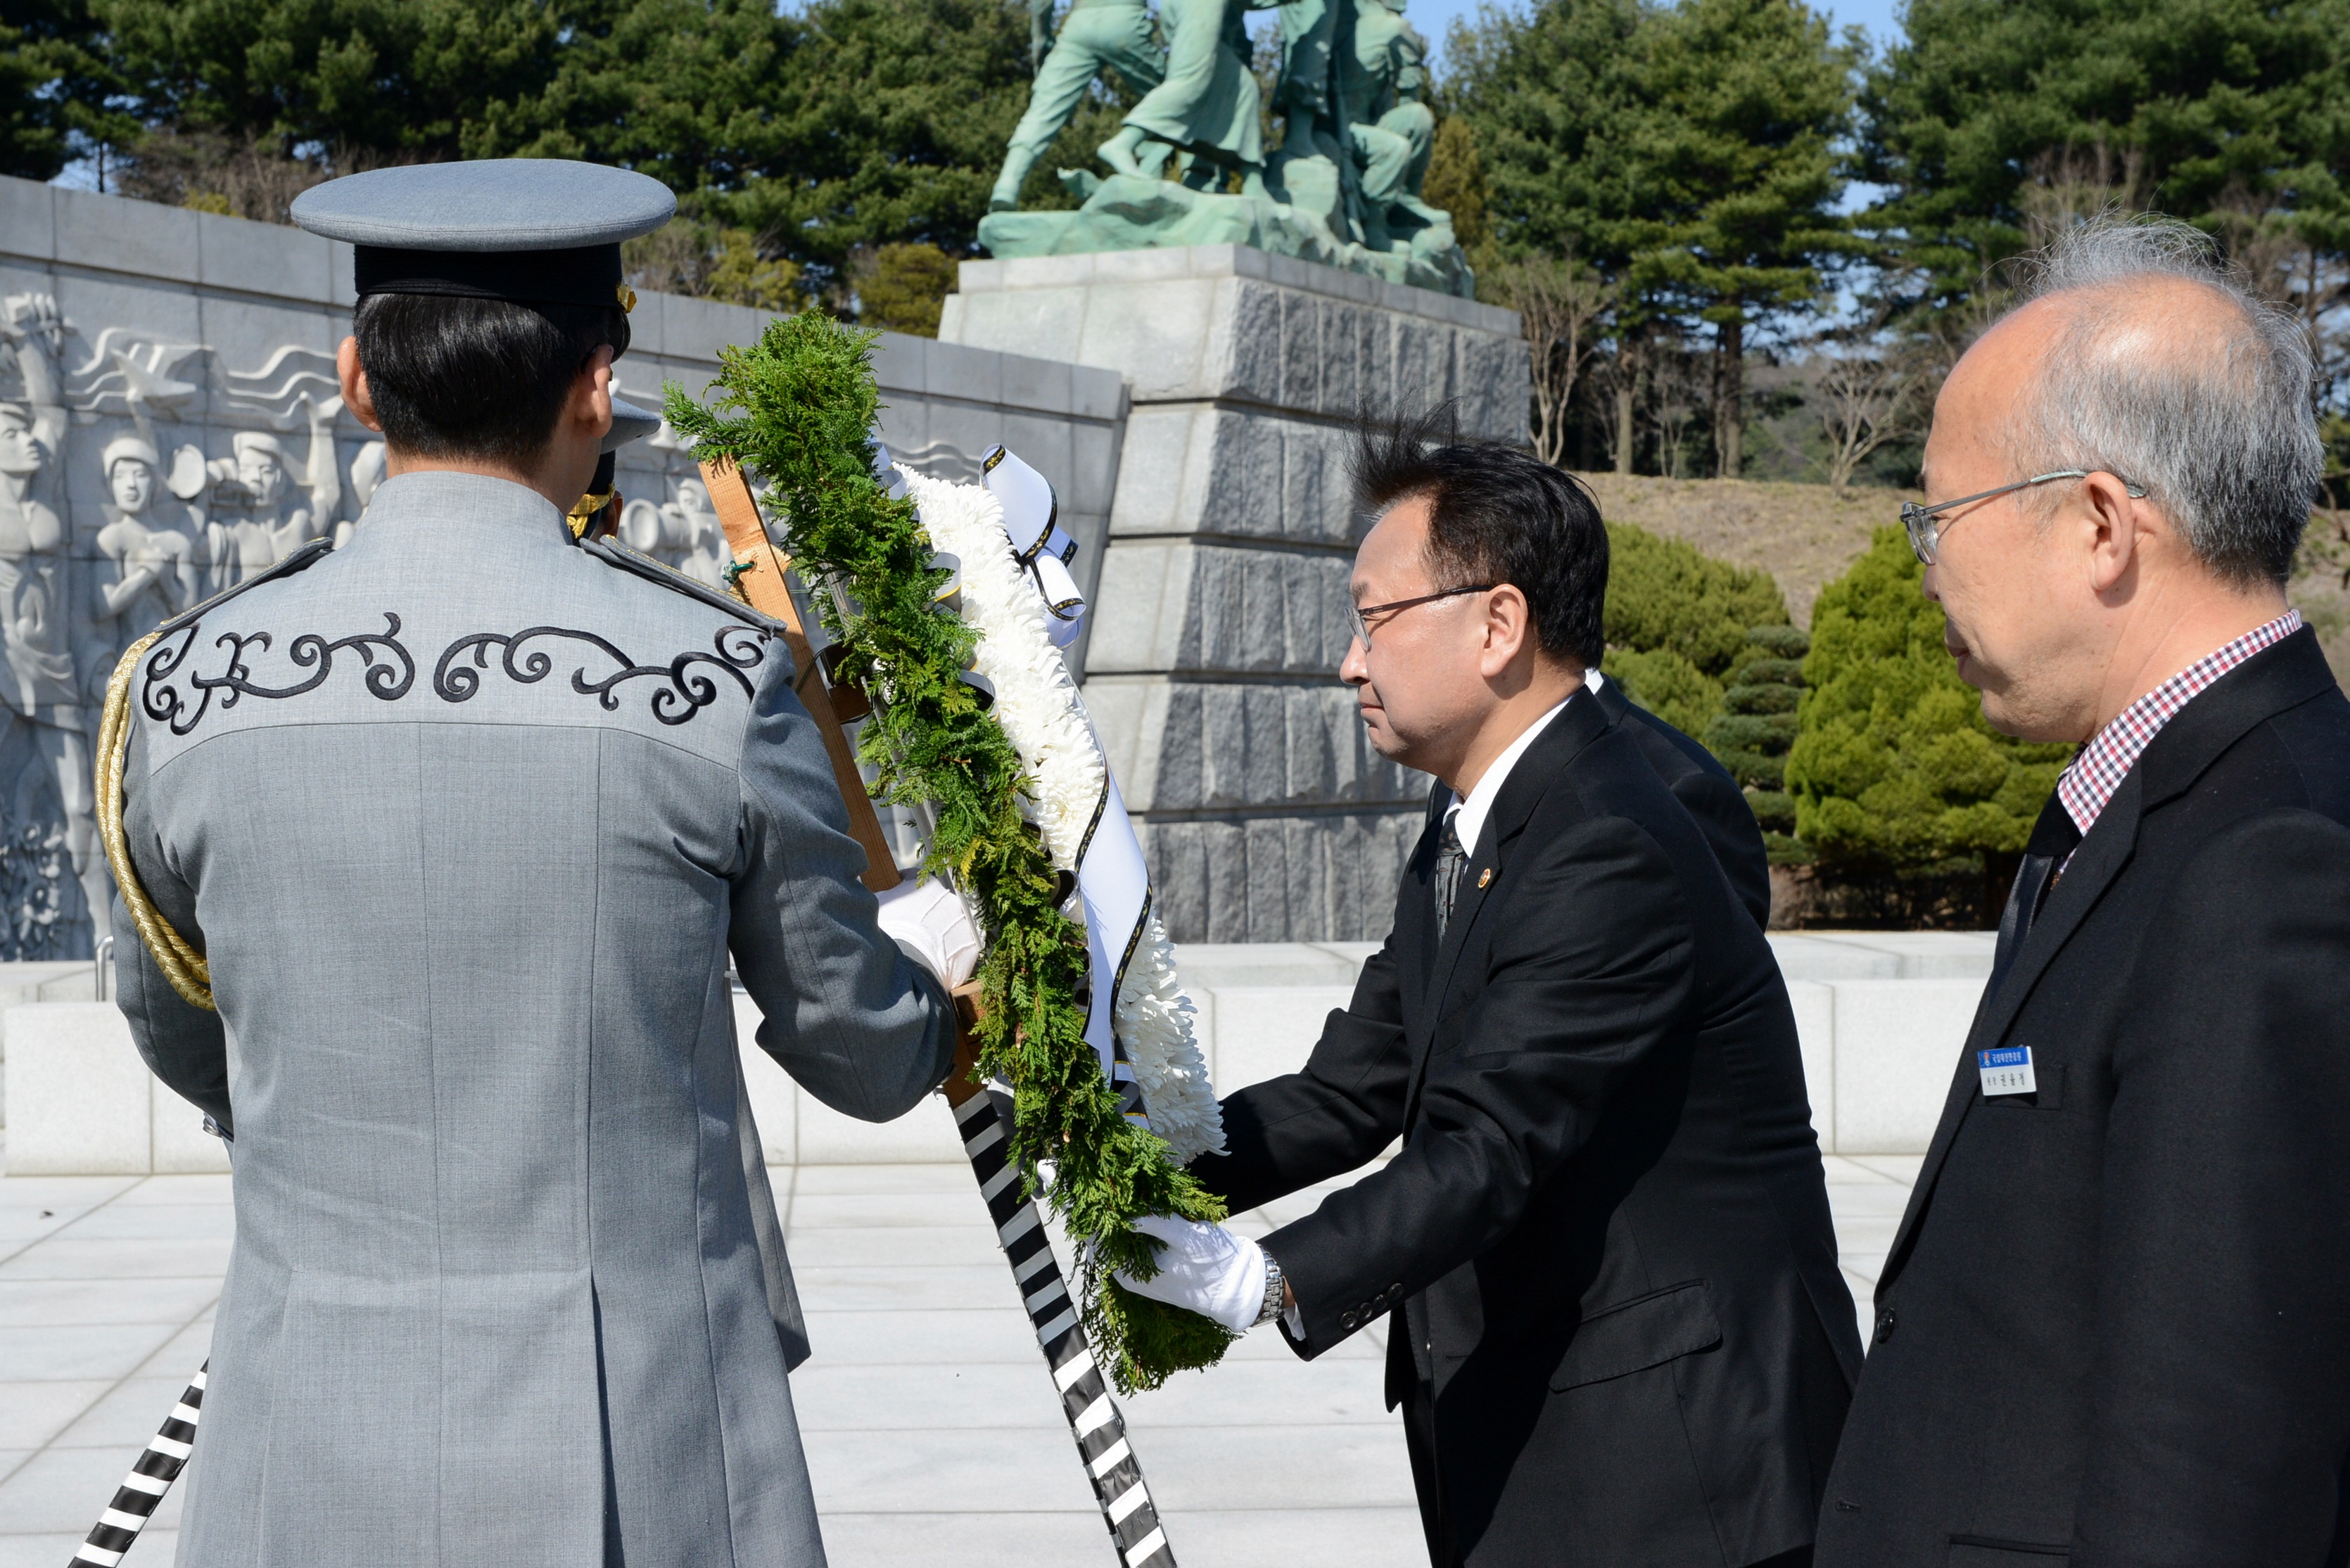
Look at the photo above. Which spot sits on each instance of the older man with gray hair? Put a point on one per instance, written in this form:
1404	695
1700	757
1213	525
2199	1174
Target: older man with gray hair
2115	1324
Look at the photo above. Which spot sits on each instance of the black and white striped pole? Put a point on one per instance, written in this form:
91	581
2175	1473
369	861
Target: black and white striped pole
141	1492
1098	1430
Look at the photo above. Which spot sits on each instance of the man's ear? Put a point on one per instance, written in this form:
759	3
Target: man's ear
356	396
2116	523
1509	628
591	394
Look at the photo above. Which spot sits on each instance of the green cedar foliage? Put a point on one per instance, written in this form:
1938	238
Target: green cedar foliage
1677	621
1994	123
1894	767
795	409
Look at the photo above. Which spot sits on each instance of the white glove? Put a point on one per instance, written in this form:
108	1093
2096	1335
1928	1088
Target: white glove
1216	1272
930	923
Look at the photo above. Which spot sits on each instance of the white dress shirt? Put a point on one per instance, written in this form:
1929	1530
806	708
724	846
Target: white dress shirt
1469	815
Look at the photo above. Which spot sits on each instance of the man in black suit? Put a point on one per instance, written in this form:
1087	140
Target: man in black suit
1603	1256
2115	1324
1706	792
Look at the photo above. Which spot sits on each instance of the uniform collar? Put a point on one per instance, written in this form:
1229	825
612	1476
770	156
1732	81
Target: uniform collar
471	500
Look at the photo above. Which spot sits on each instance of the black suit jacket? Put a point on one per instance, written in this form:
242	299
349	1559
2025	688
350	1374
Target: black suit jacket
1604	1250
1707	792
2115	1324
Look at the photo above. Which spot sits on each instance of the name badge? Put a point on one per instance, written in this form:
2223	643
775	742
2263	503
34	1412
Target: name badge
2006	1071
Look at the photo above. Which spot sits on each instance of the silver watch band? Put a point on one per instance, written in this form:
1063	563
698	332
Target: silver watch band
1273	1291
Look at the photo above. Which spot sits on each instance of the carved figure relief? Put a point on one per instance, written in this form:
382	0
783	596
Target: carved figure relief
685	534
141	474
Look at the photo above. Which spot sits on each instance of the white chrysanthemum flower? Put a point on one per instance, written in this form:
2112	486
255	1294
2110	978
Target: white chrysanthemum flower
1041	713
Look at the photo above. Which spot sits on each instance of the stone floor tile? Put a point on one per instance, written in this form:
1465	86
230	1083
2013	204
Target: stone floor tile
876	1289
64	1258
125	1417
896	1211
63	1192
21	1223
896	1246
1291	1537
31	1414
180	1355
1069	1539
48	1551
190	1188
1859	1203
24	1303
1015	1470
1225	1466
1901	1167
938	1396
124	1219
73	1352
1286	1393
823	1180
921	1337
1843	1170
66	1490
1866	1232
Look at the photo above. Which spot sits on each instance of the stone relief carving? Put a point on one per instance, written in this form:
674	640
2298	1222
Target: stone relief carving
140	475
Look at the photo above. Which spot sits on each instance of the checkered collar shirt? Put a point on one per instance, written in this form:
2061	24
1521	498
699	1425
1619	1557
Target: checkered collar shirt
2093	777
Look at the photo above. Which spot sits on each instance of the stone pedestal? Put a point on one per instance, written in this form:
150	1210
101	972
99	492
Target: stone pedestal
1220	619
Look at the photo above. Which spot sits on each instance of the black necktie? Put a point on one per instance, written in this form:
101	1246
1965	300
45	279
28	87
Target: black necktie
1450	863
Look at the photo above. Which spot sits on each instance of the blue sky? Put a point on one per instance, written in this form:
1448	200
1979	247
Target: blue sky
1434	18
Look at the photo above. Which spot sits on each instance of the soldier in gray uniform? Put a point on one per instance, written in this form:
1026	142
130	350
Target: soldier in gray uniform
456	827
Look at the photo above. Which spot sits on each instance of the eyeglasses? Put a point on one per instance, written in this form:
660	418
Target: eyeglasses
1360	616
1926	531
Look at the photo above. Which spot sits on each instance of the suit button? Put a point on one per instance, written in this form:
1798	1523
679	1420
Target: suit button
1884	1325
1347	1319
1395	1292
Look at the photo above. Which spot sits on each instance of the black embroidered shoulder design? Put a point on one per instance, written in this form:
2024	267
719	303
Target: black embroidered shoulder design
174	692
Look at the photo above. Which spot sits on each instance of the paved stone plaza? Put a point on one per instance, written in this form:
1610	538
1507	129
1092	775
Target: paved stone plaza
931	1430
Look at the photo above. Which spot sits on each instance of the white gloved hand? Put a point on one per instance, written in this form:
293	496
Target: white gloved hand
1216	1272
930	923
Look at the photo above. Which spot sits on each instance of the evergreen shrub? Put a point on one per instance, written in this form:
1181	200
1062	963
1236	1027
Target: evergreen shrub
1898	780
1677	621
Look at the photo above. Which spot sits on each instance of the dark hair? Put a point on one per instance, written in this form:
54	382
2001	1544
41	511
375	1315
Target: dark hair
1497	515
452	377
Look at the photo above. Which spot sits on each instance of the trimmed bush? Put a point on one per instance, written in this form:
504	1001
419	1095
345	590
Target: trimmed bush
1677	621
1895	772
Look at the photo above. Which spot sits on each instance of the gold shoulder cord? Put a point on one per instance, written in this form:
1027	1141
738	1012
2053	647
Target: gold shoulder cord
184	967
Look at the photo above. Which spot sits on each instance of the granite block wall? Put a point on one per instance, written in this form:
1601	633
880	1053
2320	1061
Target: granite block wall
1213	671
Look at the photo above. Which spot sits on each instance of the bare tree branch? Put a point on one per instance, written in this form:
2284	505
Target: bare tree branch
1560	304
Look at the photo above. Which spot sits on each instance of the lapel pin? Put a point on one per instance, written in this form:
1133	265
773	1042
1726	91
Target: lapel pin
1485	875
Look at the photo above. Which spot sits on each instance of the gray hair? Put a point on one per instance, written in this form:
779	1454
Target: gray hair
2221	428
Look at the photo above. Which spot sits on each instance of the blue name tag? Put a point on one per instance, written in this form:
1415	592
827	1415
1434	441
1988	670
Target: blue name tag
2006	1071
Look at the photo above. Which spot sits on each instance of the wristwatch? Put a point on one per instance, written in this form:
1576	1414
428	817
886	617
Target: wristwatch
1274	1291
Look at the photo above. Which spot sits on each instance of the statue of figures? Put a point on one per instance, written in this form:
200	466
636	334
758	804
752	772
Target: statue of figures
156	564
38	694
272	526
1391	131
1097	35
1207	106
366	473
685	534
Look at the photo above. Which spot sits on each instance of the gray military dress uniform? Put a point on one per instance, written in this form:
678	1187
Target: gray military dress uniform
467	818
